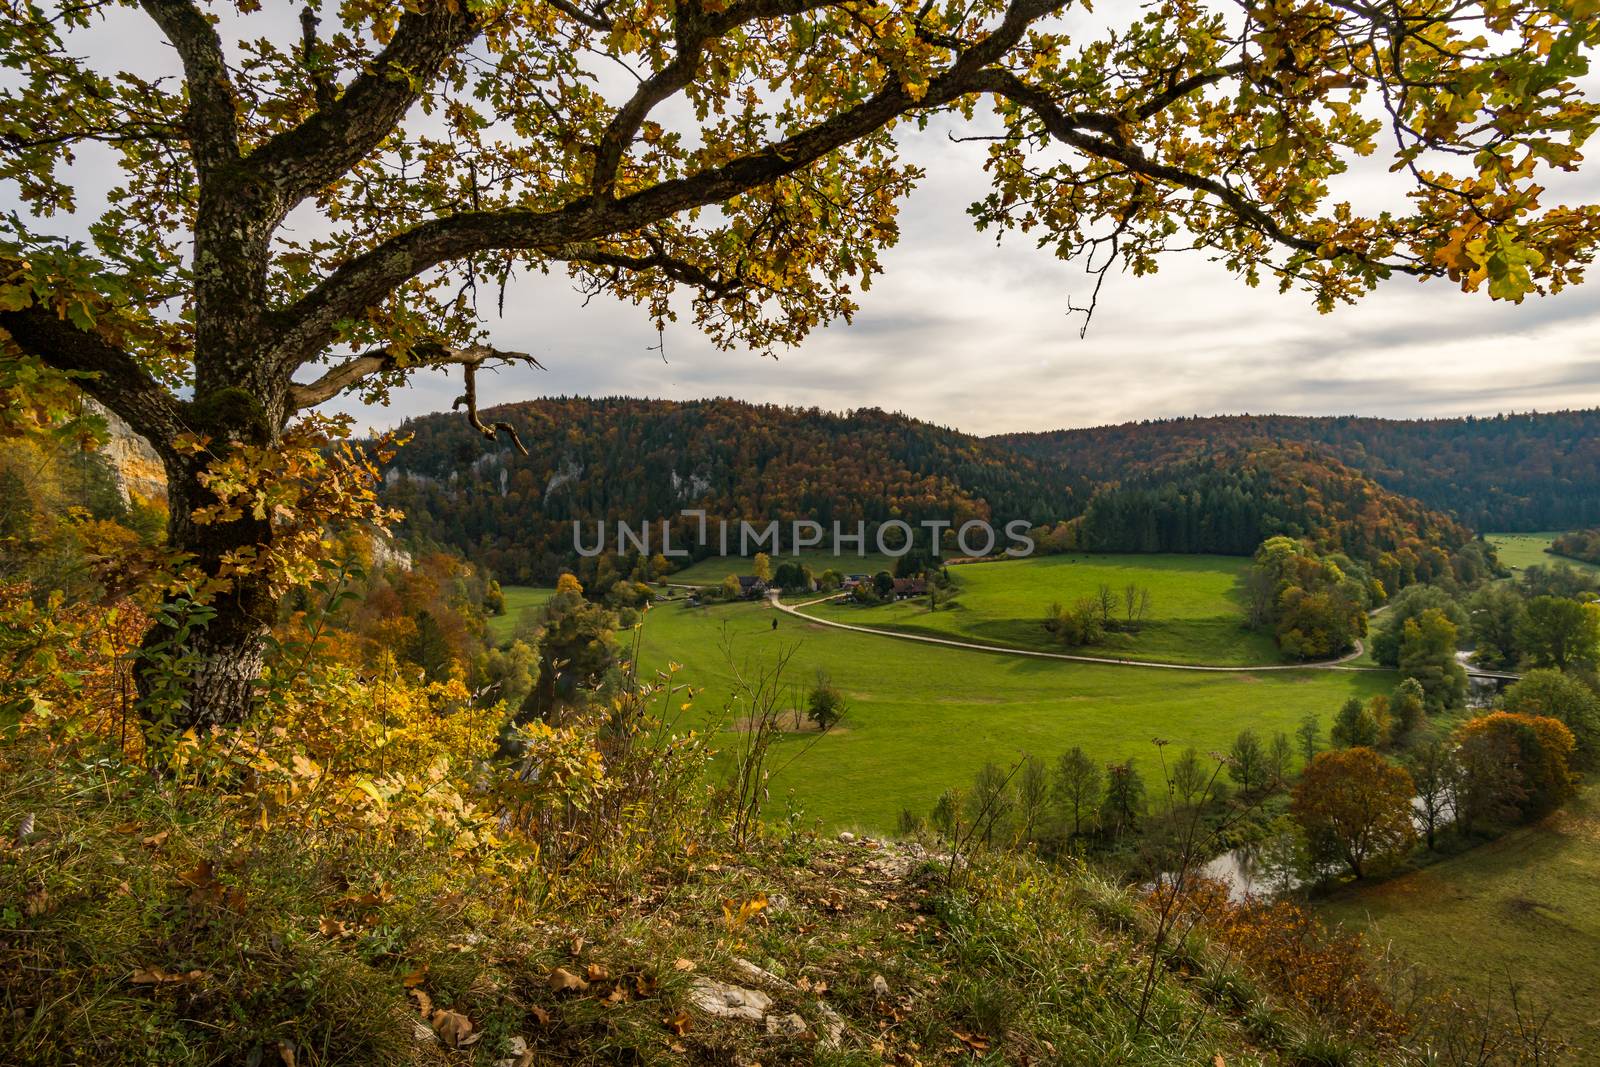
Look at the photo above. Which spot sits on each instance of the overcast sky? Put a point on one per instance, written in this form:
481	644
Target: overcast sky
964	333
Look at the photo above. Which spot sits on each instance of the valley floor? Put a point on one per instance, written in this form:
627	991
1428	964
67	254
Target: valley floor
924	718
1523	908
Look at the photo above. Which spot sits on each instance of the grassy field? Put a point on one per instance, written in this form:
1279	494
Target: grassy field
712	571
519	598
1522	550
1195	610
923	718
1525	907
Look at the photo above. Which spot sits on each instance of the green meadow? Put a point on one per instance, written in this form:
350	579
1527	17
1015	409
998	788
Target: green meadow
1524	907
1522	550
519	598
1195	615
923	718
711	571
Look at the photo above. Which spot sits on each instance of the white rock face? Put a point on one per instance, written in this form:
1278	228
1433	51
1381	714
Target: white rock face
134	464
570	470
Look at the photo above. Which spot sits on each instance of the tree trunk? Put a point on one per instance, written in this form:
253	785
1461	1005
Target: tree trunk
225	657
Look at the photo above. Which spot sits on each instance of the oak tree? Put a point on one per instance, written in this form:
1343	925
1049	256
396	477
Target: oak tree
742	152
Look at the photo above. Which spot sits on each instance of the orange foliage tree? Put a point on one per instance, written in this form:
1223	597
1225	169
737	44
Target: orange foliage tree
1355	807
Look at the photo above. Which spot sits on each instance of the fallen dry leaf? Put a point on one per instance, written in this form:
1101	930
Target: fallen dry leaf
453	1028
598	972
199	876
424	1002
160	976
331	927
679	1024
683	965
156	840
976	1042
563	980
540	1014
414	978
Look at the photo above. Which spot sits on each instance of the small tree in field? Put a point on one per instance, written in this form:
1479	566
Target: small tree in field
314	210
1076	788
1247	762
1355	726
1435	772
1308	736
1124	803
825	705
1355	807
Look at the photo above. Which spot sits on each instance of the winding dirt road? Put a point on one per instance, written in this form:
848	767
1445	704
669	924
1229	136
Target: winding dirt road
1340	664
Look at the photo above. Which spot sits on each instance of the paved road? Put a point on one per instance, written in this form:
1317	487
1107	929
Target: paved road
1340	664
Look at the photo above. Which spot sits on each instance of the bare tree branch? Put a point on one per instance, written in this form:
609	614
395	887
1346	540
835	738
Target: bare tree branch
357	369
469	397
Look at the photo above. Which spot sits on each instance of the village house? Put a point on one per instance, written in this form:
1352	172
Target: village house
906	588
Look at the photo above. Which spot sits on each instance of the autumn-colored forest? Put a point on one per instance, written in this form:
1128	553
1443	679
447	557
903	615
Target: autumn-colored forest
1504	472
635	461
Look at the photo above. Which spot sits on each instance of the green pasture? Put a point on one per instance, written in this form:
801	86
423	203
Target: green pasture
1522	550
923	717
1524	908
1196	614
711	571
519	598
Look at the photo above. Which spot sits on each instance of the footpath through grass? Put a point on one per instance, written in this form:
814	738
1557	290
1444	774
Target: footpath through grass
1523	908
1196	614
924	718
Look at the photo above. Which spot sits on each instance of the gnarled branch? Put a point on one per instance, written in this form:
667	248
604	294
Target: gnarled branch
357	369
108	373
213	116
366	280
345	131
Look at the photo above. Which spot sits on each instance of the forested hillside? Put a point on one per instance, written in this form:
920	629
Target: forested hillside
1146	490
1229	501
1506	472
620	459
